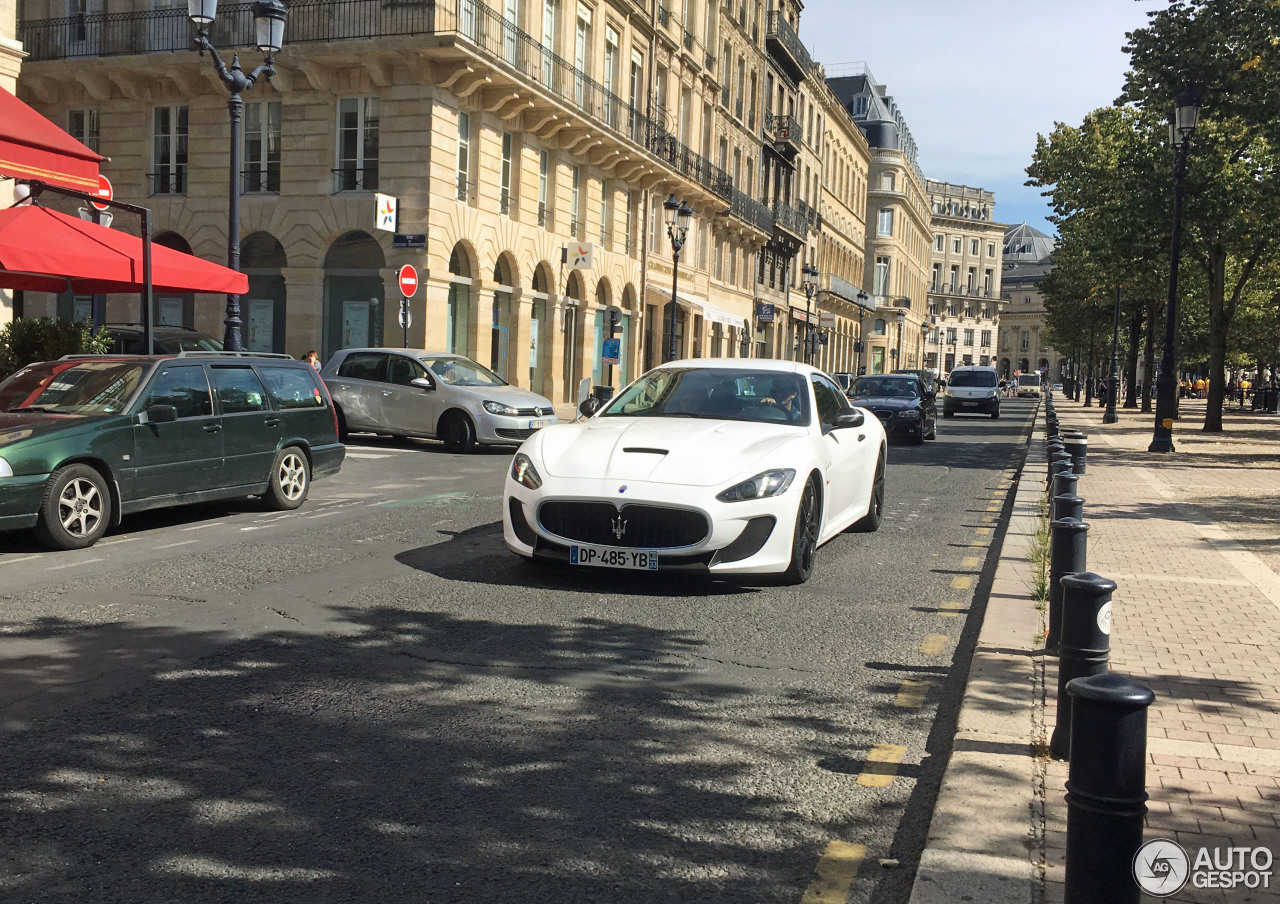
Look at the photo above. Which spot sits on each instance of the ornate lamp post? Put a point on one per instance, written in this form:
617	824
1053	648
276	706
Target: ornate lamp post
269	17
810	285
897	352
1113	384
1186	115
677	215
860	345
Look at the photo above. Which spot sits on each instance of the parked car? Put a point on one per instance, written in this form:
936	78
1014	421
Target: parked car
414	392
972	389
928	379
722	465
88	439
129	338
845	381
905	408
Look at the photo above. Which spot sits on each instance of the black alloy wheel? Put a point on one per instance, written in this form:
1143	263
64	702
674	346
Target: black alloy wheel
870	522
804	543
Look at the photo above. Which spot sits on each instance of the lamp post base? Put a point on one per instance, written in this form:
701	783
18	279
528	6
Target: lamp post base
1161	444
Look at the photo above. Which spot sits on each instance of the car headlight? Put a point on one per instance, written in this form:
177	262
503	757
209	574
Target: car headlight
5	469
499	408
769	483
524	473
910	413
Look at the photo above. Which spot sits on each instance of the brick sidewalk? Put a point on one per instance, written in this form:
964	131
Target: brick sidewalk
1193	541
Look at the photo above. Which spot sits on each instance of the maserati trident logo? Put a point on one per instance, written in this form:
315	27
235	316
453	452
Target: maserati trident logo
619	527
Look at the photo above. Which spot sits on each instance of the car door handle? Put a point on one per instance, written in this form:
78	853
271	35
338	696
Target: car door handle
212	428
861	437
386	392
272	422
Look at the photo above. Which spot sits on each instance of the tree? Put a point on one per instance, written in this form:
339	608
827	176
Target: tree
1228	50
28	340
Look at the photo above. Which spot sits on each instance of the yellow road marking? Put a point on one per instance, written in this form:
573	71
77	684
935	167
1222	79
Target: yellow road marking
951	609
980	544
994	507
911	694
982	531
970	562
933	644
961	582
836	871
882	765
988	519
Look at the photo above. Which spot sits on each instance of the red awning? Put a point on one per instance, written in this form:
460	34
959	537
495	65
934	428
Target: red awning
47	251
31	147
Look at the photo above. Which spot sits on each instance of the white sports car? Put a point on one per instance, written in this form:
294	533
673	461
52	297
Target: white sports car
732	466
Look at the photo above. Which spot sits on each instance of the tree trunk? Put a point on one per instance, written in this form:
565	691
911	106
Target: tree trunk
1149	356
1131	359
1219	322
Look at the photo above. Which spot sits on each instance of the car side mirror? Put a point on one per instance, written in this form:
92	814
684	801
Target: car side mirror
422	383
159	414
590	405
850	419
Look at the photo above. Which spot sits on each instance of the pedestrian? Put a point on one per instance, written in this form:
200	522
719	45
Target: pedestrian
1199	387
1244	389
312	358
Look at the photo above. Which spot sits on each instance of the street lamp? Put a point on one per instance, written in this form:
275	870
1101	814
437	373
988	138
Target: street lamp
810	285
1113	385
1186	115
677	215
268	17
897	352
860	345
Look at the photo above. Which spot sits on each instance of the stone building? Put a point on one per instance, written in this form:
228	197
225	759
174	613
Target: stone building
964	278
898	226
1027	258
10	62
508	136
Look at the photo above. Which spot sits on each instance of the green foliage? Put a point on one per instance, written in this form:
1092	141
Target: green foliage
28	340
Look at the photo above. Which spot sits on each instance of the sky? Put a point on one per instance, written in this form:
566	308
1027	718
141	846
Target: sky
978	80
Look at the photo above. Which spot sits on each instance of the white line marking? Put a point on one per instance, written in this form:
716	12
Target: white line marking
15	561
116	541
197	527
74	564
172	545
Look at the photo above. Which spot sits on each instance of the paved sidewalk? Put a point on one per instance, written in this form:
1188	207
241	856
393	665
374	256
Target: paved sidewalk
1193	541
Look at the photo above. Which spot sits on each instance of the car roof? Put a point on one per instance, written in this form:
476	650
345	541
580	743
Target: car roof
973	367
400	351
765	364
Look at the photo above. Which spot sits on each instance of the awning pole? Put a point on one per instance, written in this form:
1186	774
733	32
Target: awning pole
148	334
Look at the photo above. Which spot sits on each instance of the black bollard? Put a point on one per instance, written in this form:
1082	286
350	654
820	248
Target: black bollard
1078	447
1068	543
1061	463
1064	484
1106	789
1084	648
1067	506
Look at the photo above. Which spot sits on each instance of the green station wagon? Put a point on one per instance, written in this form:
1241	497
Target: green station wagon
86	440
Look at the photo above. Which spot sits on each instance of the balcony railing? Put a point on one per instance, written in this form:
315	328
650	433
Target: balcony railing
464	188
787	218
323	21
349	177
504	202
810	214
779	34
688	41
544	215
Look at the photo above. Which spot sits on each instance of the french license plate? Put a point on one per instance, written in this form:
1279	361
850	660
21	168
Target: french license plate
538	425
614	557
969	404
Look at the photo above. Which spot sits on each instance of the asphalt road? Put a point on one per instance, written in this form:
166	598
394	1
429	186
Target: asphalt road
369	699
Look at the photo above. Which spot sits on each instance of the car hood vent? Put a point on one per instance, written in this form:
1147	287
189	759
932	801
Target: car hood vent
646	450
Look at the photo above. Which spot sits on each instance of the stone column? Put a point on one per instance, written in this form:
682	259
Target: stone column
303	310
435	312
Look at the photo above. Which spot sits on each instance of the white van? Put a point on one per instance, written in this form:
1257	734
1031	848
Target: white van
971	390
1029	385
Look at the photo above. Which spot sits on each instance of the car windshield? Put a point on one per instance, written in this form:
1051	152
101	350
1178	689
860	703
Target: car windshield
973	378
193	343
457	371
886	387
62	387
716	394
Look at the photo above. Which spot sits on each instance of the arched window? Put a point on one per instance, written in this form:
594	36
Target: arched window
877	328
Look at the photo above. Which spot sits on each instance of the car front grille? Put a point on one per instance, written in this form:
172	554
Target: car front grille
506	433
636	526
885	414
535	412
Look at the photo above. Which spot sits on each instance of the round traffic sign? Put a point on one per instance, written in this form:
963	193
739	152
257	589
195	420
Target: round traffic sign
408	281
104	191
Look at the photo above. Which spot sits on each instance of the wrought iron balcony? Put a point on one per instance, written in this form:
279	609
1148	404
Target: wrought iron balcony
784	132
787	219
781	40
810	214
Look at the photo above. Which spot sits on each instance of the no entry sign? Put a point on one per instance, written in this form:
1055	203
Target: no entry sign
104	191
408	281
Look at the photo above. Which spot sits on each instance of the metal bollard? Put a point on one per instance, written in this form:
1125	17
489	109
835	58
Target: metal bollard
1071	506
1068	544
1064	484
1106	789
1078	446
1084	647
1061	463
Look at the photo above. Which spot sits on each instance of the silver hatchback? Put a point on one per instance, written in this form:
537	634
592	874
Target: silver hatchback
414	392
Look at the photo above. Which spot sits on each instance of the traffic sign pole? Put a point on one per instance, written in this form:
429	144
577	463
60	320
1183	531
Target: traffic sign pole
408	278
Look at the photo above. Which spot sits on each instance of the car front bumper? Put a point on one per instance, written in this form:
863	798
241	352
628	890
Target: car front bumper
751	537
971	406
505	430
20	499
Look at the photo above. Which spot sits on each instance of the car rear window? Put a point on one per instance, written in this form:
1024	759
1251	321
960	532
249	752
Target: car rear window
1029	380
973	378
362	366
292	387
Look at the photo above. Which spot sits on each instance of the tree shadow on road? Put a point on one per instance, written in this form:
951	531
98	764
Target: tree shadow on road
420	757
